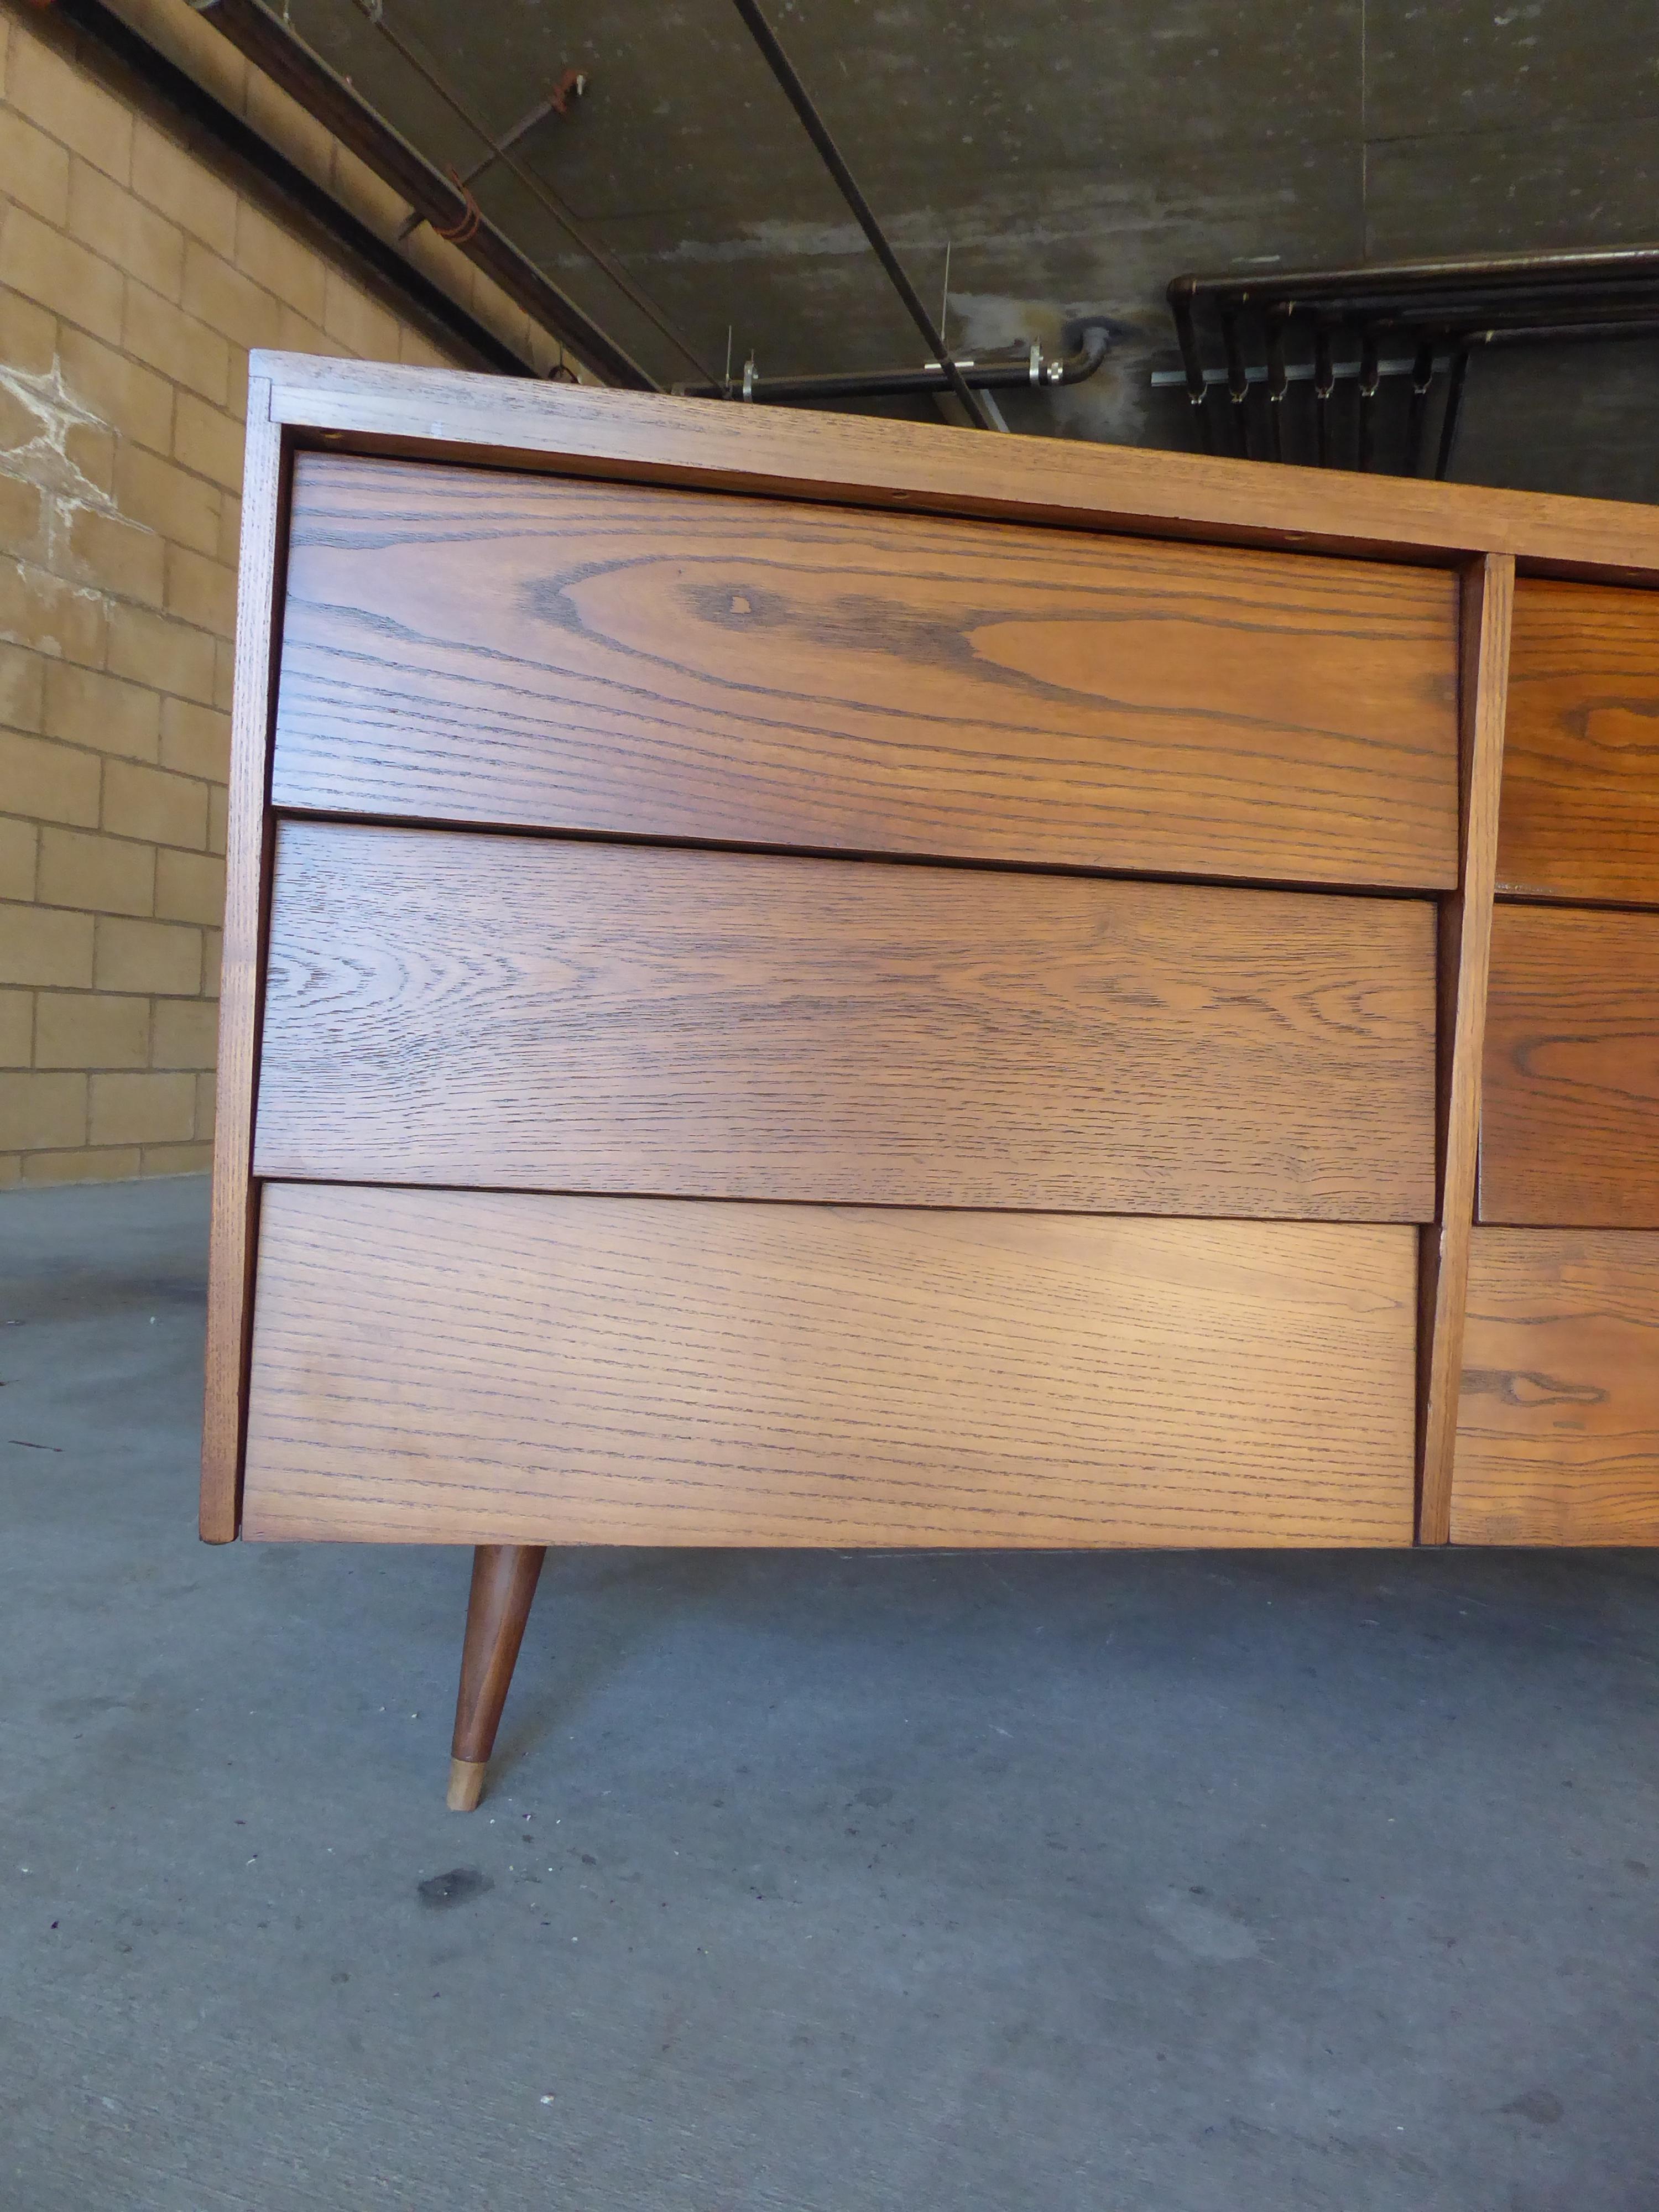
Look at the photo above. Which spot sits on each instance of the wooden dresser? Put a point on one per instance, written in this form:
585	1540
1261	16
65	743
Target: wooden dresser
794	979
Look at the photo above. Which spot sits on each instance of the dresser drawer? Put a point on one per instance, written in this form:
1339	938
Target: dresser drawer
1580	812
1569	1108
1558	1425
468	646
489	1367
546	1014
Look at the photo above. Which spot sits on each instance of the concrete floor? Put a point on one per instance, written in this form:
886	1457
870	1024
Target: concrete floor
1143	1883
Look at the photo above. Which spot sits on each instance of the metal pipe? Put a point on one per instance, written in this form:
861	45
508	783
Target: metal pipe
1460	371
554	104
1368	382
1198	389
277	50
1422	378
497	151
817	130
244	144
1004	375
1279	383
1238	381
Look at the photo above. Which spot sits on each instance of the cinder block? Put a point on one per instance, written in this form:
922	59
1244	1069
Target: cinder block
177	1159
201	591
358	324
21	519
36	169
154	803
97	875
212	953
49	782
206	1087
17	1028
295	335
227	302
62	99
230	529
64	620
196	740
117	556
44	945
91	1029
224	673
183	347
218	810
58	272
183	187
144	1108
209	440
167	500
20	424
29	335
22	688
83	1166
18	843
133	399
162	956
149	649
39	1110
278	261
417	350
185	1033
143	245
190	887
90	451
87	709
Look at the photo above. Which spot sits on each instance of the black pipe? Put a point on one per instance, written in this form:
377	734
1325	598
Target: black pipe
1460	371
1009	375
1422	379
817	130
1378	286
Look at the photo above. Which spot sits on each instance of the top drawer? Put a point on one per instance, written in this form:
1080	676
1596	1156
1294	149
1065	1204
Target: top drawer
471	646
1580	812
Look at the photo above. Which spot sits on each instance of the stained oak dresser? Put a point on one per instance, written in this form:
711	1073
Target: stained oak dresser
793	980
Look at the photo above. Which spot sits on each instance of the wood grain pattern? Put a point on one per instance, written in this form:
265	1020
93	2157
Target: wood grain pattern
235	1199
534	1014
1570	1129
1466	949
474	647
1558	1433
485	1367
1581	782
868	463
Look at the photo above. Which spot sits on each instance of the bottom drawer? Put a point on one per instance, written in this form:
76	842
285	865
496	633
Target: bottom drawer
478	1367
1557	1422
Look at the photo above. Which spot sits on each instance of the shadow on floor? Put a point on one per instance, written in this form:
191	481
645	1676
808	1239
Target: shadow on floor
1208	1883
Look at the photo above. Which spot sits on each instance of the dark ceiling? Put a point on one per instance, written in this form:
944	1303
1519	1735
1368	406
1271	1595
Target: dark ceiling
1075	157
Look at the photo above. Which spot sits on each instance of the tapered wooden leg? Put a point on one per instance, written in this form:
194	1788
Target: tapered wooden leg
504	1579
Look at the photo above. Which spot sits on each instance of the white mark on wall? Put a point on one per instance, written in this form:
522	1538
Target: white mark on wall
46	461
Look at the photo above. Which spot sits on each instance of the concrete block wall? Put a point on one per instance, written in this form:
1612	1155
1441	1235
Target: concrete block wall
134	276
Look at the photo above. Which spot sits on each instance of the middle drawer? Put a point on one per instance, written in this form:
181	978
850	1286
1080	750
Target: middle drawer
530	1013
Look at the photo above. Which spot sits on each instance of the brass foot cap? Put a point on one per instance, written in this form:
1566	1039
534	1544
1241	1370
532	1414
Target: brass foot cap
466	1782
